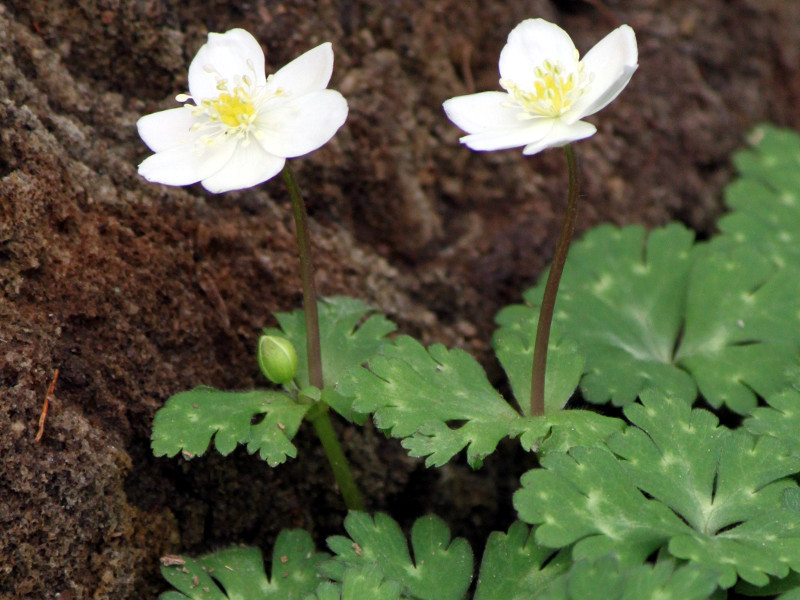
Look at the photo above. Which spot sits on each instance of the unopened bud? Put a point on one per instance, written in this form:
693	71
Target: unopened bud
277	359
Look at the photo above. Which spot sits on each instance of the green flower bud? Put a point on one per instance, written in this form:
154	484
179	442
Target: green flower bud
277	359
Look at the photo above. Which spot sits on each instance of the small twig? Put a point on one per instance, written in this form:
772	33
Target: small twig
43	416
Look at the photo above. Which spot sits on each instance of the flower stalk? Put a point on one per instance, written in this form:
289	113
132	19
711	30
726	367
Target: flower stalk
551	288
548	91
318	415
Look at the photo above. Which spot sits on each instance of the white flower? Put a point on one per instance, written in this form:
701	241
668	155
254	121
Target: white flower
548	89
239	126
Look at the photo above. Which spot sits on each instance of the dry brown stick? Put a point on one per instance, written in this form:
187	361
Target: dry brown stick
43	416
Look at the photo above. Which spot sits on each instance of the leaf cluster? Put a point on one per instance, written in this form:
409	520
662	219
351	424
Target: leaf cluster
663	502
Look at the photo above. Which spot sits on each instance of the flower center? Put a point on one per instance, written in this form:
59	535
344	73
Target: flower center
233	109
237	113
553	92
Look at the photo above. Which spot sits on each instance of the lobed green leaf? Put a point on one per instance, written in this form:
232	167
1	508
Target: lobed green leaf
781	419
584	497
348	337
660	313
416	393
621	299
238	573
515	567
742	327
513	345
765	200
719	498
441	568
189	420
606	579
565	429
360	583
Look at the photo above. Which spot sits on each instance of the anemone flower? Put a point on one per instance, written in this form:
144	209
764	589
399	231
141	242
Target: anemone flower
548	90
238	126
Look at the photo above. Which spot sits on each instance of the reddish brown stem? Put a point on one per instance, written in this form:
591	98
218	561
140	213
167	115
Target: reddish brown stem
551	288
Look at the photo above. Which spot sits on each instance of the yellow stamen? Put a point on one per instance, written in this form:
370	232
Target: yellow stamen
553	91
234	110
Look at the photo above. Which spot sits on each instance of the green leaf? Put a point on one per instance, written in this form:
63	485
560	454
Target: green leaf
414	393
189	420
238	573
360	583
765	200
727	485
584	497
513	344
774	587
661	313
621	300
565	429
606	579
781	419
515	567
345	344
730	489
742	327
441	569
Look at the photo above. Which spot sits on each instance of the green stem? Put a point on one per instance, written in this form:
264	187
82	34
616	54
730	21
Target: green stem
551	288
318	415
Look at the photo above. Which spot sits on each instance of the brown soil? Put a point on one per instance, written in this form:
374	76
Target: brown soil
135	291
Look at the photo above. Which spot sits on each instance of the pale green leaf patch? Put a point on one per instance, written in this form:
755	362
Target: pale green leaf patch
439	401
238	573
264	420
441	568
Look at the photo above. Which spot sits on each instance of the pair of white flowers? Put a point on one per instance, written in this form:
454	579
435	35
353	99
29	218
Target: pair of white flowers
238	126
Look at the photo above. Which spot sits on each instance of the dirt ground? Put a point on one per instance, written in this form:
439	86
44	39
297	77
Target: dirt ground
135	291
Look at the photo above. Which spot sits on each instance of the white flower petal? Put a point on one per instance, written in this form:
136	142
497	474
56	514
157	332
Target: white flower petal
249	166
611	62
181	165
476	113
301	125
309	72
166	129
526	132
560	135
232	54
531	43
